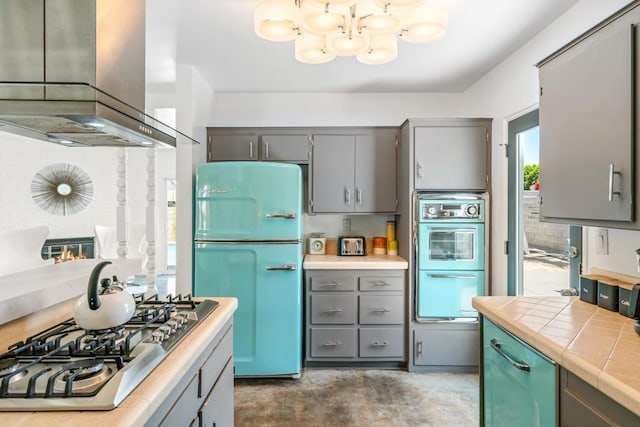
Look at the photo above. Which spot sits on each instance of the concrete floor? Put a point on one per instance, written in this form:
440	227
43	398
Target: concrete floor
348	397
544	273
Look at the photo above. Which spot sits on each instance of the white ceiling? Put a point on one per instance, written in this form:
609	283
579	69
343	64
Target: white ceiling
217	37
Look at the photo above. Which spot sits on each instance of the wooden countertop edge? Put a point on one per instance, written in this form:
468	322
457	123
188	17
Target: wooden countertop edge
622	393
147	397
368	262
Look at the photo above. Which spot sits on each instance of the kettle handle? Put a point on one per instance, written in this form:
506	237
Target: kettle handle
92	288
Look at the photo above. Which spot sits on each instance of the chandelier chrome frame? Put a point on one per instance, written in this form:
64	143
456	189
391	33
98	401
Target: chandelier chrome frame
366	29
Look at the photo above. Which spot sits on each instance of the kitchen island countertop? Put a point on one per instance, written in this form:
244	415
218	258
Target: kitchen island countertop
143	401
369	262
597	345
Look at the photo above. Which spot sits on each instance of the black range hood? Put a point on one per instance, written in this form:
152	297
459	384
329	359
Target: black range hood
72	72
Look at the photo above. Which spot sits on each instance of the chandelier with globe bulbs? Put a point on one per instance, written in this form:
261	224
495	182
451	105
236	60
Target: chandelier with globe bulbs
366	29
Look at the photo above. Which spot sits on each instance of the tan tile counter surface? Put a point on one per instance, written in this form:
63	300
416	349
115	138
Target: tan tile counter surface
598	345
369	262
144	399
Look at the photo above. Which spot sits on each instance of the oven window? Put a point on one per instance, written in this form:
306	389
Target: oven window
452	245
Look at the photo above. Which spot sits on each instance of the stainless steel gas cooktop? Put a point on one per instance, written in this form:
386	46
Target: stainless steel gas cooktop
68	368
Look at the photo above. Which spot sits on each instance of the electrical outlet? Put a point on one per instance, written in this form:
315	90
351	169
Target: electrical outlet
602	242
346	225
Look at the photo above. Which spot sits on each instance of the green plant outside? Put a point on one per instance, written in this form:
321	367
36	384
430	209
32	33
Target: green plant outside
531	175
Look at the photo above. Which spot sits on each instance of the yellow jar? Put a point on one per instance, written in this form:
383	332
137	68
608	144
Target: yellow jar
391	231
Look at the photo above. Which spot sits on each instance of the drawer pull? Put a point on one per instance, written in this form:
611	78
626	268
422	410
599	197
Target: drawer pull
287	215
518	365
380	310
332	344
380	344
379	283
332	284
332	310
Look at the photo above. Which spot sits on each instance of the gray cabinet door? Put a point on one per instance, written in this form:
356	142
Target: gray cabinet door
232	147
586	129
451	158
375	172
285	148
333	173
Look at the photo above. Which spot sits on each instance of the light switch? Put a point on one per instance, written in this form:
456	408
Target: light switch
602	242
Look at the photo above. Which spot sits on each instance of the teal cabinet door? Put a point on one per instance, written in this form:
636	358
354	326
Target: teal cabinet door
520	385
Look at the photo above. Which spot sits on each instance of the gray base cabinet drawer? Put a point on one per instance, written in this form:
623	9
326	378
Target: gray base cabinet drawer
381	309
335	342
374	283
332	283
333	309
355	317
376	342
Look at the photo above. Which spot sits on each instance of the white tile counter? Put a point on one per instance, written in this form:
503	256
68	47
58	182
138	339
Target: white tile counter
369	262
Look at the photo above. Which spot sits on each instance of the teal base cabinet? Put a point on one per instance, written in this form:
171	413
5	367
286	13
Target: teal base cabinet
519	385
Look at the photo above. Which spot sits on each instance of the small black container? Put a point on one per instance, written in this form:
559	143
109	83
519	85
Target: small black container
589	288
624	297
608	294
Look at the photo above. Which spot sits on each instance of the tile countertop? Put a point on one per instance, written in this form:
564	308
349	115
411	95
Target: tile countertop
598	345
145	398
369	262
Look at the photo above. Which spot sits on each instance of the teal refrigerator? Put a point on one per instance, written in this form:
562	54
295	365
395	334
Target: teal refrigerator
248	245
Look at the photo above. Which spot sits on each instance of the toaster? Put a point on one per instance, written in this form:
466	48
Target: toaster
351	246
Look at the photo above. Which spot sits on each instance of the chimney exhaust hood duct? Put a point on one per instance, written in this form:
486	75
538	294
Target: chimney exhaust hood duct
72	72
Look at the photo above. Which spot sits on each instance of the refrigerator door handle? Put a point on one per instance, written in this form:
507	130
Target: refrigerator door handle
213	191
288	215
286	267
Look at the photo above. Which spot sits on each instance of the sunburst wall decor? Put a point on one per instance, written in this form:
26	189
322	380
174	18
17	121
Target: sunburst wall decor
62	189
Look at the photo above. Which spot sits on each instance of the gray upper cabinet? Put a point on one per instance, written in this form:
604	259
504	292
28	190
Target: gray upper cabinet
285	148
224	146
267	144
451	157
587	99
354	173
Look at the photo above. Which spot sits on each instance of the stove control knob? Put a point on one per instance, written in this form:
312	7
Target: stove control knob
431	210
166	330
157	336
173	324
180	319
471	210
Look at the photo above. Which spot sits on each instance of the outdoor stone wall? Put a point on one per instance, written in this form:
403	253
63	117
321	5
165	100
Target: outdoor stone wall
543	235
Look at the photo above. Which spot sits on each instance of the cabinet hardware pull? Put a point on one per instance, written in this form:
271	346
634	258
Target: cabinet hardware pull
451	276
418	349
518	365
347	196
358	196
288	215
381	310
213	191
266	150
286	267
379	283
251	150
380	344
332	344
612	172
332	310
332	284
419	170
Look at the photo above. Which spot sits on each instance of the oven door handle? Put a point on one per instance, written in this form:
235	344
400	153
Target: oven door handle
454	230
452	276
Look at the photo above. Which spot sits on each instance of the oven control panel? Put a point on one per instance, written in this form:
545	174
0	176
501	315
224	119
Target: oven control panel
434	210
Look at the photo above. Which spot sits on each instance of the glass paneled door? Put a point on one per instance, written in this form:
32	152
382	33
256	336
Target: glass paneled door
543	258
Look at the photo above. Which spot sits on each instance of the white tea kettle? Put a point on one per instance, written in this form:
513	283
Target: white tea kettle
105	307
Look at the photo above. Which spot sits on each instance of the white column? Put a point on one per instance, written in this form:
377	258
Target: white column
151	220
121	209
